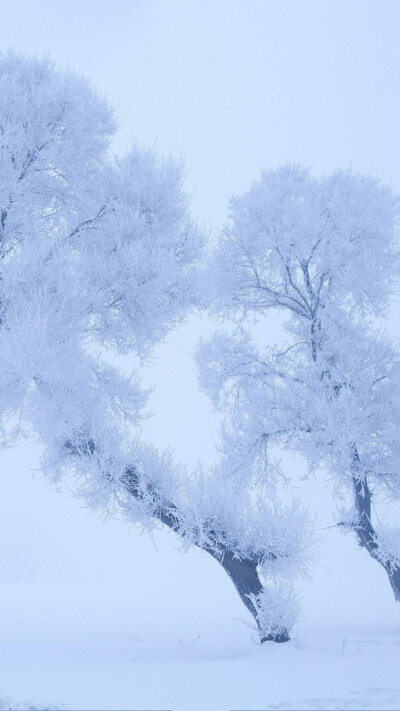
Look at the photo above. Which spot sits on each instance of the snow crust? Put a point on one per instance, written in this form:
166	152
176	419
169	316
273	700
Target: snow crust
95	616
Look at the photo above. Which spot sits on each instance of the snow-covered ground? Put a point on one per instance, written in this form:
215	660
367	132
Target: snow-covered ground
174	639
95	616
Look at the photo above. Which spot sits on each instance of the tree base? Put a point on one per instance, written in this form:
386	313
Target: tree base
279	638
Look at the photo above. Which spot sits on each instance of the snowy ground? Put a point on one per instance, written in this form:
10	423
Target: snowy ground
95	616
120	624
97	646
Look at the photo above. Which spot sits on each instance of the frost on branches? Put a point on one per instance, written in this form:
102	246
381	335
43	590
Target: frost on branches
99	254
325	252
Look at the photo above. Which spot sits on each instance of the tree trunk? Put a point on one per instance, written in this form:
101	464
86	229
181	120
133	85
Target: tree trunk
365	531
244	576
242	571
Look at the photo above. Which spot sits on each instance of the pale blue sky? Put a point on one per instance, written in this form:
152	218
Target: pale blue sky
233	85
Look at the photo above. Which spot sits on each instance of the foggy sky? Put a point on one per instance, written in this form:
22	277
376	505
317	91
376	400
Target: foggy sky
232	85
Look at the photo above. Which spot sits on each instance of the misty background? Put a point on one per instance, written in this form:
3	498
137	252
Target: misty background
232	86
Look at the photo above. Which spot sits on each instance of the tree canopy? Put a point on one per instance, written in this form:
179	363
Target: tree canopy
325	252
99	253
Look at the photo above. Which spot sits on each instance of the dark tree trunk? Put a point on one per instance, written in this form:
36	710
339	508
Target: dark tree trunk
242	571
365	531
244	576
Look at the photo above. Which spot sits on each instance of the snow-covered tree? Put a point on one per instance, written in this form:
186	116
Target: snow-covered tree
325	252
98	256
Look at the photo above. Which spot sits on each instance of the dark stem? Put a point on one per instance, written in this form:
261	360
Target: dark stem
365	531
244	576
3	220
242	571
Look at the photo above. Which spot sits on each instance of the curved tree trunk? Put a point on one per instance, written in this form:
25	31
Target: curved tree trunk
365	531
244	576
242	571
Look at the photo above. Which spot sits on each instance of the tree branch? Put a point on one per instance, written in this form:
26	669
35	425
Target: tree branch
242	571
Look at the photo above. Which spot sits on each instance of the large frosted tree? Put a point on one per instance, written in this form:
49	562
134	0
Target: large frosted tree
99	256
325	253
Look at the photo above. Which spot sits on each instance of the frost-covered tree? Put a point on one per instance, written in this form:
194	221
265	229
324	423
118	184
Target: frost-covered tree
325	252
98	256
